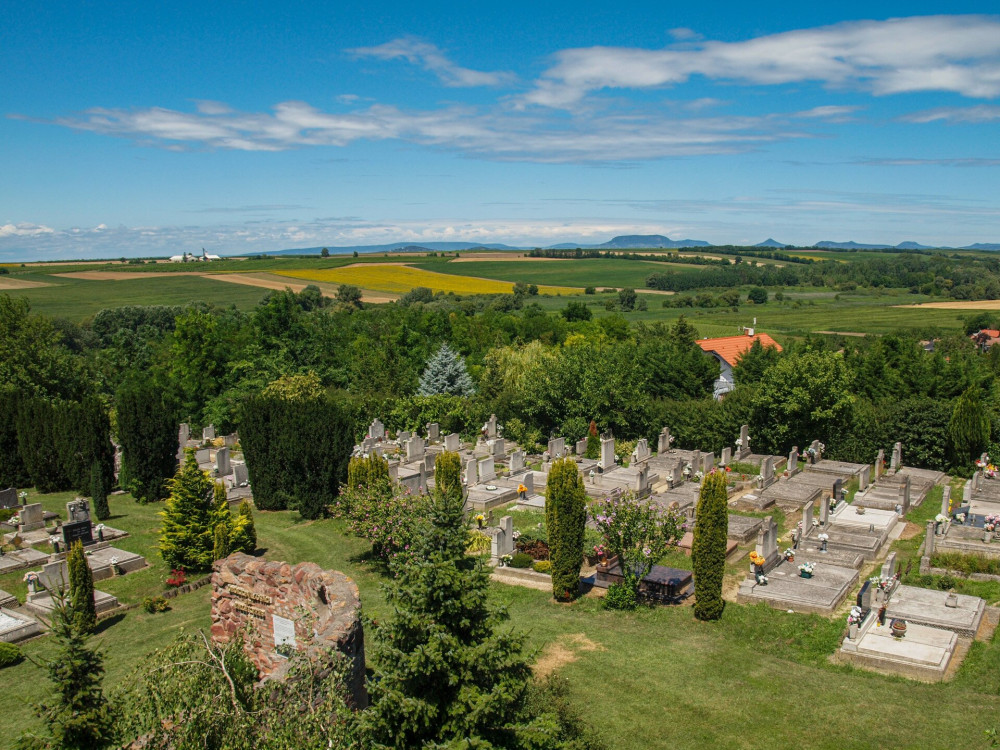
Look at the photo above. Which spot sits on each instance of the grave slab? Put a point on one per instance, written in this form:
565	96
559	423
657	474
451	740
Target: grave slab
786	589
44	606
923	654
743	529
16	626
934	609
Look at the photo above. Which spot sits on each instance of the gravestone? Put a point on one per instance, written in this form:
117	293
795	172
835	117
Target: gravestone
743	449
528	480
402	436
767	473
897	458
490	428
203	456
471	477
8	498
499	447
816	449
929	538
415	449
904	493
864	600
641	479
452	442
487	469
394	471
376	430
664	441
231	440
727	456
864	479
641	452
54	577
241	478
429	463
367	445
607	453
879	464
433	431
78	510
695	462
836	494
767	543
32	517
824	511
78	531
183	434
707	463
677	475
557	448
503	539
516	462
793	461
222	465
208	432
807	517
889	566
945	501
581	447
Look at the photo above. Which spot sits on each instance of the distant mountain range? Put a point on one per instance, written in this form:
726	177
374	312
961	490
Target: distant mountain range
622	242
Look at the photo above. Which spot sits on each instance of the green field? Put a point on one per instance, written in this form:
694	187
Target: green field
656	678
596	272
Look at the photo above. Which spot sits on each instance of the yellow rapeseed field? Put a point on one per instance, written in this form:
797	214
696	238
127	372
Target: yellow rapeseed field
395	277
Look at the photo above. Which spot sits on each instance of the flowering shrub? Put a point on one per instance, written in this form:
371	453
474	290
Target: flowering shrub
177	577
638	532
388	516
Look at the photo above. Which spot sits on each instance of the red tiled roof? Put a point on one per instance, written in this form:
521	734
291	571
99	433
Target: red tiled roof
730	348
991	332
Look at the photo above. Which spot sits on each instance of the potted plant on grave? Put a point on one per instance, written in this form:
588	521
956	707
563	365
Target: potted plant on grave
480	520
898	628
789	554
940	520
853	622
806	570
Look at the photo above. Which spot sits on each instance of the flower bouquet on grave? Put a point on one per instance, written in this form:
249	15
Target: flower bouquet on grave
31	578
506	560
757	565
806	570
855	617
789	554
480	520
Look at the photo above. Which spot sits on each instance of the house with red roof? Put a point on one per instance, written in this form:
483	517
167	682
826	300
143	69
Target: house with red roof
727	350
985	338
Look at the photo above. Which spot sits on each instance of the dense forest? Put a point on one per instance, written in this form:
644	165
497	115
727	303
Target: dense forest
541	373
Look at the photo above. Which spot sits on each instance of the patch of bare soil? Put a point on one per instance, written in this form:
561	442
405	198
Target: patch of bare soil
911	530
499	256
9	284
271	281
122	275
982	304
564	651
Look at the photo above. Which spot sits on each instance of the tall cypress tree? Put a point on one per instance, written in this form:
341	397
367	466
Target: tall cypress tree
147	431
565	521
969	428
99	492
444	671
81	590
708	549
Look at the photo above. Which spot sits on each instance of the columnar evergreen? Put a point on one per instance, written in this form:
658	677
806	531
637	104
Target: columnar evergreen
969	428
195	508
446	373
296	450
565	521
445	673
99	492
75	714
220	544
365	470
708	550
81	590
244	534
147	432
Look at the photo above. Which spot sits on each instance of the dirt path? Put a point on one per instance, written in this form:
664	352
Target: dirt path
9	284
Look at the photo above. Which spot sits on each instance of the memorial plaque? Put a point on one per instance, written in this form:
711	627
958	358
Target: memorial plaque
78	531
284	631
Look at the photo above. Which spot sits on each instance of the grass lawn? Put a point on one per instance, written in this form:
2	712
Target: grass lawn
651	679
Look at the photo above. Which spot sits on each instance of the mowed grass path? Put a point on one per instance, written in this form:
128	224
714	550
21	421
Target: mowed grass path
394	277
657	678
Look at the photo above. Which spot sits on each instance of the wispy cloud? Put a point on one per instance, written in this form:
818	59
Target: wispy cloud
931	53
431	58
974	161
977	114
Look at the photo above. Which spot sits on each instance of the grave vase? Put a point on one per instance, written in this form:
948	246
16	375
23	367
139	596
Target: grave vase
987	536
852	632
805	574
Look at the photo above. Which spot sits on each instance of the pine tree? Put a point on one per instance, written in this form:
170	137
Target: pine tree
147	431
593	441
969	428
445	672
81	590
99	492
191	513
76	714
445	373
708	549
244	534
565	521
220	546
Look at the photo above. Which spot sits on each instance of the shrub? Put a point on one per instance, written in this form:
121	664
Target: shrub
621	596
9	654
479	543
153	604
177	577
542	566
521	560
590	290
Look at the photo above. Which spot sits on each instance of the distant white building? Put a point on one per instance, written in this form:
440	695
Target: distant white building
727	350
192	258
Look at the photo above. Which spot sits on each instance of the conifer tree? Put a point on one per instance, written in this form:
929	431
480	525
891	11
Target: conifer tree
708	549
147	431
244	534
99	492
365	470
76	714
593	441
969	428
190	515
565	521
81	590
220	546
446	674
445	374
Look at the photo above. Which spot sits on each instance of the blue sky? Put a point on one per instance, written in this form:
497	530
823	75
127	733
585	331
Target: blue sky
148	129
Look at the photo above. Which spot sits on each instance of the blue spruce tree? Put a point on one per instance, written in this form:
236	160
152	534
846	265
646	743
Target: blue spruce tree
446	374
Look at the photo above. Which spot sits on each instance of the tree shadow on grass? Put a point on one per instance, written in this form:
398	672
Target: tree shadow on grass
108	622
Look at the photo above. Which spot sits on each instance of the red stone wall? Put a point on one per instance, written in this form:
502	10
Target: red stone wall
323	604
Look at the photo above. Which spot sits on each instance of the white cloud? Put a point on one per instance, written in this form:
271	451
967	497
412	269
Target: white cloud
24	229
930	53
830	112
430	58
980	113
